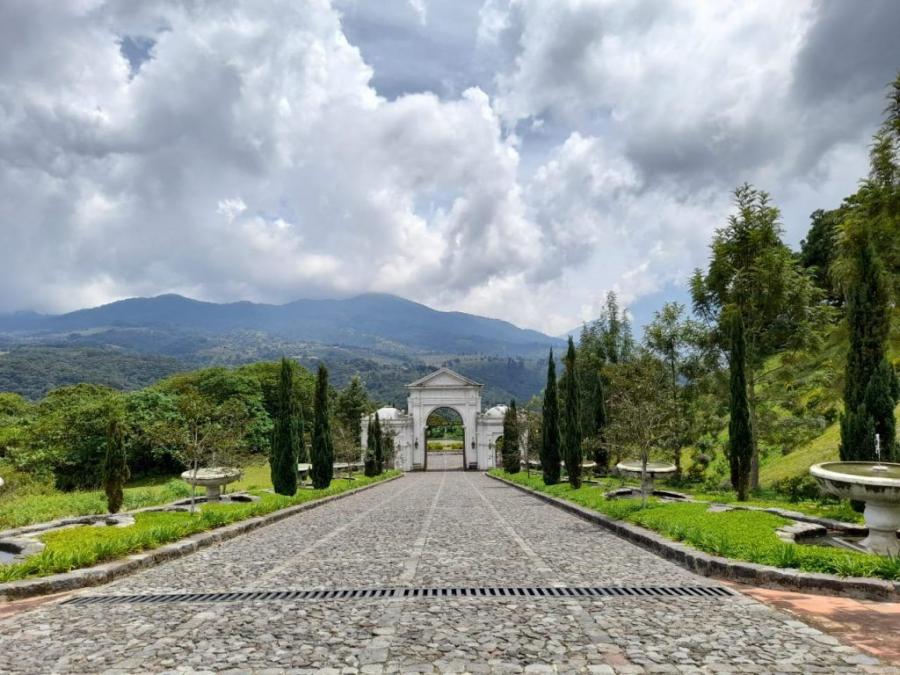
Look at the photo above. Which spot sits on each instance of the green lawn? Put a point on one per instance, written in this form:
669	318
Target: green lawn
823	448
19	510
79	547
742	535
838	510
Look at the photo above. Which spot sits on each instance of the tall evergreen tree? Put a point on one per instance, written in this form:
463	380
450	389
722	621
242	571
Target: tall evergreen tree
379	446
370	467
740	434
870	385
322	454
599	421
115	467
572	426
550	440
283	462
753	272
511	453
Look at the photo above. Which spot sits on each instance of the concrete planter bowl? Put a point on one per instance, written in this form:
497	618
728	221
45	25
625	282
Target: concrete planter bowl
654	470
876	484
213	479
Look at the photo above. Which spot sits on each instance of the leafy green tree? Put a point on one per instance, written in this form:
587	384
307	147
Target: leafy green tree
641	412
68	436
678	341
352	404
115	467
550	437
511	453
608	339
201	432
740	434
752	272
322	454
571	431
870	385
819	251
287	435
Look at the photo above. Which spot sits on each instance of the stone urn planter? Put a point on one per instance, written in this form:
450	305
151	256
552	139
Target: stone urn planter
878	485
212	478
654	469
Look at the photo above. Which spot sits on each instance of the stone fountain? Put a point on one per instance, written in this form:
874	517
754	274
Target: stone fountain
875	483
212	478
878	485
647	473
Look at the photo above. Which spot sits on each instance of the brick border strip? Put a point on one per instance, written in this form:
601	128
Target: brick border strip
725	568
106	572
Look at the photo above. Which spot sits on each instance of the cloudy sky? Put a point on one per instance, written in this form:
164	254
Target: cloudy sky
514	158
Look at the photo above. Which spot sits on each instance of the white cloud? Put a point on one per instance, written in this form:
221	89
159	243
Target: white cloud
240	150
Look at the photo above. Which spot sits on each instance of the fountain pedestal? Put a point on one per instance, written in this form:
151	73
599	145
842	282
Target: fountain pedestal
883	520
876	484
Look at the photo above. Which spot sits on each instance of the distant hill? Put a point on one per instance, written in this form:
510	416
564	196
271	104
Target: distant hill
372	321
385	339
32	371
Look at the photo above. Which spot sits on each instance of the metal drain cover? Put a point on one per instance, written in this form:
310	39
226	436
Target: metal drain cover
388	593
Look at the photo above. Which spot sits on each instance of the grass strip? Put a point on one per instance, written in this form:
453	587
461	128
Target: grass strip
740	535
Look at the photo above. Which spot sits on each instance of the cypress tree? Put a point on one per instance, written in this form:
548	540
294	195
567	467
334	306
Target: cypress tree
322	454
870	385
511	454
550	440
115	467
379	446
370	465
572	426
740	434
283	462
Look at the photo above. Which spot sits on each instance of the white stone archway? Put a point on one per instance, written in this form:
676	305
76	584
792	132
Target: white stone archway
443	388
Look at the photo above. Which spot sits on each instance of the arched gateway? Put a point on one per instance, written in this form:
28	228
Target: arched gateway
442	389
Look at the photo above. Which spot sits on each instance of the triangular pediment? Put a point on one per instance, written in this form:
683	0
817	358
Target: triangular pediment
444	377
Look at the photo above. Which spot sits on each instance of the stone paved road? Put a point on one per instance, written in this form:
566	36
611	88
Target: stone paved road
445	461
426	529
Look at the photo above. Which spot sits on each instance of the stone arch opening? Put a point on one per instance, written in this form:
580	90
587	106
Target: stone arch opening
445	437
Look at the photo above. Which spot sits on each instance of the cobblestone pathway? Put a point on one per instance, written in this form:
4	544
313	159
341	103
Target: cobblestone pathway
427	529
445	461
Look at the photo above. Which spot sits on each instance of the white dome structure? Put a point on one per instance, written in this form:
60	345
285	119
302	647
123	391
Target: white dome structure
388	413
496	411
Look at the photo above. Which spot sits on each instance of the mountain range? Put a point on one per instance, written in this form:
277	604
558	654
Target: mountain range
384	338
373	321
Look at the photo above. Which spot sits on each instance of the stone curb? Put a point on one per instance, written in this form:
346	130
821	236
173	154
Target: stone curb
106	572
726	568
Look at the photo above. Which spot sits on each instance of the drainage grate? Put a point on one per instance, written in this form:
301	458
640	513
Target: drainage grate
387	593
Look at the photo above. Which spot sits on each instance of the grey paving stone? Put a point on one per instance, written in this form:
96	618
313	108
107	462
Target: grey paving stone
433	529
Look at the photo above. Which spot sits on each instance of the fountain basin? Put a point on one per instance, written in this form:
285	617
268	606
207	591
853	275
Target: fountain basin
876	484
654	470
16	549
213	479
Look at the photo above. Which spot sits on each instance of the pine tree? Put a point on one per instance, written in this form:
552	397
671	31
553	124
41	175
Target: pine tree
740	434
370	466
572	426
115	467
379	446
283	462
550	440
870	386
322	444
511	453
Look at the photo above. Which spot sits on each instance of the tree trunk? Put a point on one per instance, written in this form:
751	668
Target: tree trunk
754	458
